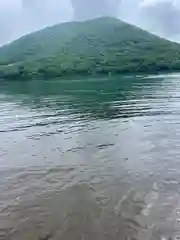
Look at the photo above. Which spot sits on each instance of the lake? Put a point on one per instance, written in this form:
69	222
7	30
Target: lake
95	158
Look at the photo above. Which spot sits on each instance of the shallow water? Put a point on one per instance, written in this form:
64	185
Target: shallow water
90	158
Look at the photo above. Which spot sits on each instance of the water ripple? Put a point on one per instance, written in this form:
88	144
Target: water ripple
90	160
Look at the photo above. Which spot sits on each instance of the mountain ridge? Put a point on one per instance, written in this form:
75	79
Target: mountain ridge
99	46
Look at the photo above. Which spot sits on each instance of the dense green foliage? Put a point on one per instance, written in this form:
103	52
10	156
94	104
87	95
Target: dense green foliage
100	46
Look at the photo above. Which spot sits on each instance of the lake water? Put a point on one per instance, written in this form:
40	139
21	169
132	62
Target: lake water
90	159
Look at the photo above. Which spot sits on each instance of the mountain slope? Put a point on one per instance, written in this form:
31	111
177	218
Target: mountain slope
97	46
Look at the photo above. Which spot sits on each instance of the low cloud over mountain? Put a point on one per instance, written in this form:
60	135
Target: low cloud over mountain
19	17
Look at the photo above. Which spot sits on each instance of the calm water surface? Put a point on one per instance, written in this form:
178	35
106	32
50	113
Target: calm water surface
90	159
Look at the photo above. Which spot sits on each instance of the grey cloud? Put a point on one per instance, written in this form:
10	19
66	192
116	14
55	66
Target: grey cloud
19	17
162	17
86	9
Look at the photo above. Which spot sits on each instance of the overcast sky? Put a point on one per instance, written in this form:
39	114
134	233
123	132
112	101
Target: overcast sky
18	17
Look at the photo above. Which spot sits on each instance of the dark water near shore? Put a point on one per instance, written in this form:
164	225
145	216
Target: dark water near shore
90	159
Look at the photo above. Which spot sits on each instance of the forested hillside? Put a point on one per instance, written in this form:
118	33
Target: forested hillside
99	46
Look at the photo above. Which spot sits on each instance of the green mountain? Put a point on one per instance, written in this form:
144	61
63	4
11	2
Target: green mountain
99	46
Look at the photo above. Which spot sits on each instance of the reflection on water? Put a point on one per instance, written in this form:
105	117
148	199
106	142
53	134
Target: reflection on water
90	159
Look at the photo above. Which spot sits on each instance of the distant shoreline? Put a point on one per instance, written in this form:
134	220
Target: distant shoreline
94	75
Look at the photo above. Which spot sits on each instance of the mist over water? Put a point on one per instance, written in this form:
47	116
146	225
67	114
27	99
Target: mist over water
90	158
